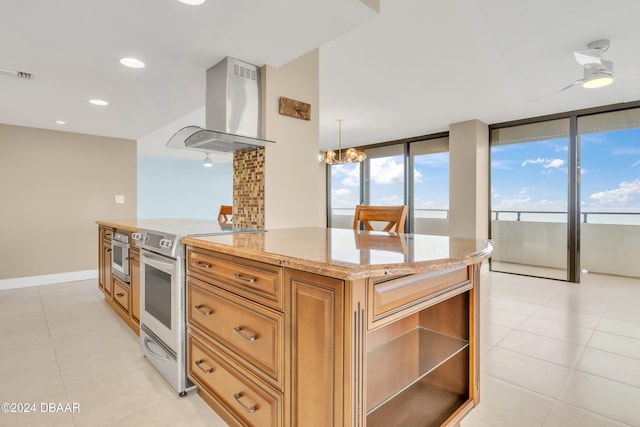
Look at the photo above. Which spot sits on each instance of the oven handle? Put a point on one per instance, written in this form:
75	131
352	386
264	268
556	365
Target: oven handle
148	340
158	261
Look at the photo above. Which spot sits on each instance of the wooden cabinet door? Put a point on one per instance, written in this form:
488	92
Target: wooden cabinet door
106	269
105	280
134	271
101	258
315	325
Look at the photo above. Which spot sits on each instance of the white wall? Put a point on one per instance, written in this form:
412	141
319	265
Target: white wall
54	186
469	179
173	183
294	178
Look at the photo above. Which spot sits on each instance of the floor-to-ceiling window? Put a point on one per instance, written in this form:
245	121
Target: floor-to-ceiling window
529	198
384	176
413	173
429	161
565	195
610	192
344	194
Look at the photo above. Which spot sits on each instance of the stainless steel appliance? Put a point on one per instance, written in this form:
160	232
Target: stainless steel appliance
232	111
120	255
163	297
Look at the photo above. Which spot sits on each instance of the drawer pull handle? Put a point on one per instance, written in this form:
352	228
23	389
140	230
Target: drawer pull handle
120	294
206	371
244	279
249	409
204	312
202	265
238	330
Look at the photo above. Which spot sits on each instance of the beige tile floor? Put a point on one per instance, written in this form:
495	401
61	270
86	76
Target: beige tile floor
553	355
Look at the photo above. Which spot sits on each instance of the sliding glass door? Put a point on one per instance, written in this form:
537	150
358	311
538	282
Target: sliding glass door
530	199
610	193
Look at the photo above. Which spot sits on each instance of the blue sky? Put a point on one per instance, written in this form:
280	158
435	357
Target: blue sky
431	181
526	176
533	176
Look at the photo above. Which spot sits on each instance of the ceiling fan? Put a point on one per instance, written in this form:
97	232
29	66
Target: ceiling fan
597	71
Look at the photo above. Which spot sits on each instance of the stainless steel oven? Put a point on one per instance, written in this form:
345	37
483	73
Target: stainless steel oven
120	255
162	306
160	309
163	323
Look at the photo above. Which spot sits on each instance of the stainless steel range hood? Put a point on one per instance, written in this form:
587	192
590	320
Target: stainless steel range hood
232	111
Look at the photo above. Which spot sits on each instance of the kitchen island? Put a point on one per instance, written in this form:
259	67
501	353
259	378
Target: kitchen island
332	327
123	295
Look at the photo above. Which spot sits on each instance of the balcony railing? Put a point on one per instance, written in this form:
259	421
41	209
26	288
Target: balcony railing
609	241
597	217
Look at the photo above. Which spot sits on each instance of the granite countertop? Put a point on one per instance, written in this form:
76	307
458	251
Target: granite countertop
164	224
349	254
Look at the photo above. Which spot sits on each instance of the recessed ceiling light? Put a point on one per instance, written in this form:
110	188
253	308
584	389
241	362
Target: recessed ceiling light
132	63
98	102
192	2
61	122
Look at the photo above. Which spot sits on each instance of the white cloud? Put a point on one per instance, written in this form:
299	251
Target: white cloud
546	163
555	163
526	203
417	176
621	196
350	175
515	203
552	205
524	190
385	170
635	164
532	161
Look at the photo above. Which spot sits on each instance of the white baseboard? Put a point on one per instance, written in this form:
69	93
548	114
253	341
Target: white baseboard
47	279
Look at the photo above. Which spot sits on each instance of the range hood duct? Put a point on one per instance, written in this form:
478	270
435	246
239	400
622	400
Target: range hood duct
232	111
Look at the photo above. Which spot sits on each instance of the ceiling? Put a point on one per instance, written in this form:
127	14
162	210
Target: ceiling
411	69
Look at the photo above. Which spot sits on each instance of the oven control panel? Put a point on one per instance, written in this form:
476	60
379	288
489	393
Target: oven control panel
160	242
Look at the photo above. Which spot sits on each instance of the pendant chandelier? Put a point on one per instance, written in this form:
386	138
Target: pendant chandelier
351	154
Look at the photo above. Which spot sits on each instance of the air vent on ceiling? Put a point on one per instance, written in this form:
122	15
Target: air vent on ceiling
17	74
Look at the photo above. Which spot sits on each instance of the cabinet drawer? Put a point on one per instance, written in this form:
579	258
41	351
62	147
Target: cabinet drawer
254	403
254	280
249	330
107	234
121	294
389	297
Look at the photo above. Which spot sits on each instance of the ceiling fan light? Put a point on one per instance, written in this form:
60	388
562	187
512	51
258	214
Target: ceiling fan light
597	80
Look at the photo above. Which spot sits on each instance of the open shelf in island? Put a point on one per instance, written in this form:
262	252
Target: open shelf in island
418	368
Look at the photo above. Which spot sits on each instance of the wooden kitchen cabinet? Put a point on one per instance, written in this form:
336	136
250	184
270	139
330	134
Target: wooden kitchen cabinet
105	279
421	368
124	298
359	347
236	329
121	295
318	354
